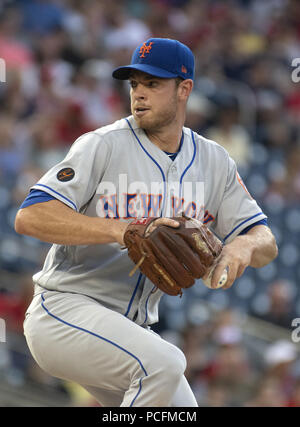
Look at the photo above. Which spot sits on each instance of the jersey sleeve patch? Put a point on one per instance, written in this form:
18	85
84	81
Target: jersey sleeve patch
65	174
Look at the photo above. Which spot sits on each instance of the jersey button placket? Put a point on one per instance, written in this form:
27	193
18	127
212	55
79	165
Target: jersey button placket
173	189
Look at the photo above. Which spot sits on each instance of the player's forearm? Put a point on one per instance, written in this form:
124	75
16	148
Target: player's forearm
262	245
60	224
255	249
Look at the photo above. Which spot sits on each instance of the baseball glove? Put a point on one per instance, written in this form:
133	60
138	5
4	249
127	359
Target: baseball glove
172	258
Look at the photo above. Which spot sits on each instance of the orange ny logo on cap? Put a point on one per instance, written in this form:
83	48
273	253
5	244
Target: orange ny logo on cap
145	49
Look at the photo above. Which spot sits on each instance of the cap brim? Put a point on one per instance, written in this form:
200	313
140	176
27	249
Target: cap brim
123	73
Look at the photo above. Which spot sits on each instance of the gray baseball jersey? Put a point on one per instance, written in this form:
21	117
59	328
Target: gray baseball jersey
117	172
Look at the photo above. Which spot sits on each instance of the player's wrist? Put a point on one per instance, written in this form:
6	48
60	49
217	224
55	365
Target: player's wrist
118	231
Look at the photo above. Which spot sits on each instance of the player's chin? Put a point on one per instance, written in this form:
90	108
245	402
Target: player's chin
144	122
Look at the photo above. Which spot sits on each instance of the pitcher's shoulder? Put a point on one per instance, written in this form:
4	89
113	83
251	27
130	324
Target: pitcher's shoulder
116	127
206	145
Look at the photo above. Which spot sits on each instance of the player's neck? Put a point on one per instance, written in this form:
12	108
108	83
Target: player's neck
166	139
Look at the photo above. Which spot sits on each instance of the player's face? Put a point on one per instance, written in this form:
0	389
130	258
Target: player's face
154	101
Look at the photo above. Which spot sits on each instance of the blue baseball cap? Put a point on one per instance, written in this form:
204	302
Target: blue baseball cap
165	58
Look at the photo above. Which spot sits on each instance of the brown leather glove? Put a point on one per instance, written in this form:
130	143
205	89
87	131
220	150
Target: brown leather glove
172	258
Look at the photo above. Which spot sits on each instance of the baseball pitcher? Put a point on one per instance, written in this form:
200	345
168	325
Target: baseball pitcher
136	209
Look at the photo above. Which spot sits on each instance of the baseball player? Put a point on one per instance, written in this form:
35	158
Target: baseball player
89	321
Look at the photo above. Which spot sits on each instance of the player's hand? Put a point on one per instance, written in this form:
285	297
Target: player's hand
121	227
235	258
161	221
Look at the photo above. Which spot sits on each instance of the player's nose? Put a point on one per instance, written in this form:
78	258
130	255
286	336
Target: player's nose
139	92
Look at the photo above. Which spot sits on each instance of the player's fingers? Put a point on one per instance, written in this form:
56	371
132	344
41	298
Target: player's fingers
161	221
167	221
231	269
231	275
213	266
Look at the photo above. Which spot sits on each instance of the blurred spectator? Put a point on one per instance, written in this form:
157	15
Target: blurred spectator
195	349
217	394
27	178
199	111
280	309
231	135
93	92
267	394
13	149
41	16
47	148
55	71
230	365
294	398
12	48
122	30
218	365
280	359
14	304
293	174
278	385
72	124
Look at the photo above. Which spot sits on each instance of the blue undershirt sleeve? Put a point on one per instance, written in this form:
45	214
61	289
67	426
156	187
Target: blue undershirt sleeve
36	196
261	222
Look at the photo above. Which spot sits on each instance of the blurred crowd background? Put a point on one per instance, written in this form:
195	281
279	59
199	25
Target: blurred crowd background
59	55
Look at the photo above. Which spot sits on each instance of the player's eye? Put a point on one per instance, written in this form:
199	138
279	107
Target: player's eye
133	83
152	83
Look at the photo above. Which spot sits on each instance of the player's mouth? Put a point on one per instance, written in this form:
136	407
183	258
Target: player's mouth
140	111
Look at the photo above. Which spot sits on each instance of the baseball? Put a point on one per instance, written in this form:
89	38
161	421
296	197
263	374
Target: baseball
221	281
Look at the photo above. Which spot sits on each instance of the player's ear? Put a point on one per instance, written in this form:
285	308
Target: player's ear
185	88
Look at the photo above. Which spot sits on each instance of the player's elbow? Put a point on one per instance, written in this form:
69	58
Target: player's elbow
268	253
274	248
22	222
